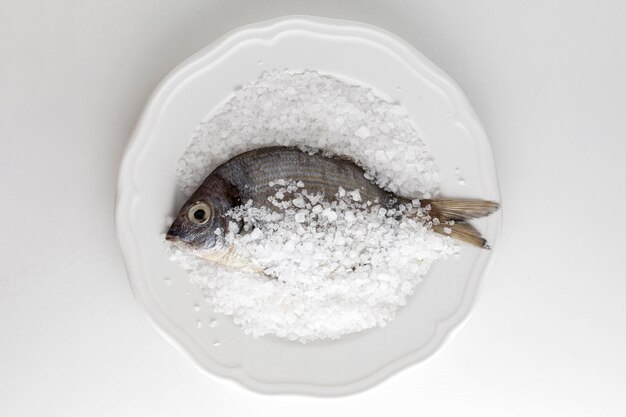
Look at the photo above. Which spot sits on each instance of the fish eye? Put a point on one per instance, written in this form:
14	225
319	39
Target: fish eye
199	213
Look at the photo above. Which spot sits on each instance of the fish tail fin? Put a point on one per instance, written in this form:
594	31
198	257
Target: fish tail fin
462	231
453	216
458	210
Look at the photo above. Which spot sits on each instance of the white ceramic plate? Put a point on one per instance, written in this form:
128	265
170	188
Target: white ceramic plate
147	193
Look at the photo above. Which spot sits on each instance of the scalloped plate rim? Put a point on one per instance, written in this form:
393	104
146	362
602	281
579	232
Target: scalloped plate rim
127	195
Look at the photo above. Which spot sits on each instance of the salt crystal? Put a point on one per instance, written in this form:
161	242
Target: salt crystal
362	132
298	202
356	195
330	214
290	246
256	234
300	216
233	227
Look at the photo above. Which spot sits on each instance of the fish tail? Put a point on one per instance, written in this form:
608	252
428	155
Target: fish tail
453	216
457	210
464	232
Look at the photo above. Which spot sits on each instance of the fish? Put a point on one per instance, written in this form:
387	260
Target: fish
254	177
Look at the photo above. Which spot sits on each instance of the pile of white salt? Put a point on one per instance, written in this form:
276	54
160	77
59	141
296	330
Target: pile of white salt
319	267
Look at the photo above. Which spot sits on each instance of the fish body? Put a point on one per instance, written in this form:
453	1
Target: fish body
254	177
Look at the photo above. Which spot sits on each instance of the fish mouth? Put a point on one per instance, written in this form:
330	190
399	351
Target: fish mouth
178	242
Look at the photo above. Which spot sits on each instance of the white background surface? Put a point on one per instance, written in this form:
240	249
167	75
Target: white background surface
547	334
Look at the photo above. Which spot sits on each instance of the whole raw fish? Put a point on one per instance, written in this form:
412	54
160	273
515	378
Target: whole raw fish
255	176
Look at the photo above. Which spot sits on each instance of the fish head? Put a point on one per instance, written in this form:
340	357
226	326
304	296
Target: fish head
202	221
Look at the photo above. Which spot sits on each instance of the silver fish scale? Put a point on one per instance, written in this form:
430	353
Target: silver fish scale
253	171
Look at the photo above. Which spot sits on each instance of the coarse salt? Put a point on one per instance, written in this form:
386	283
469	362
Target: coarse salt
318	271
